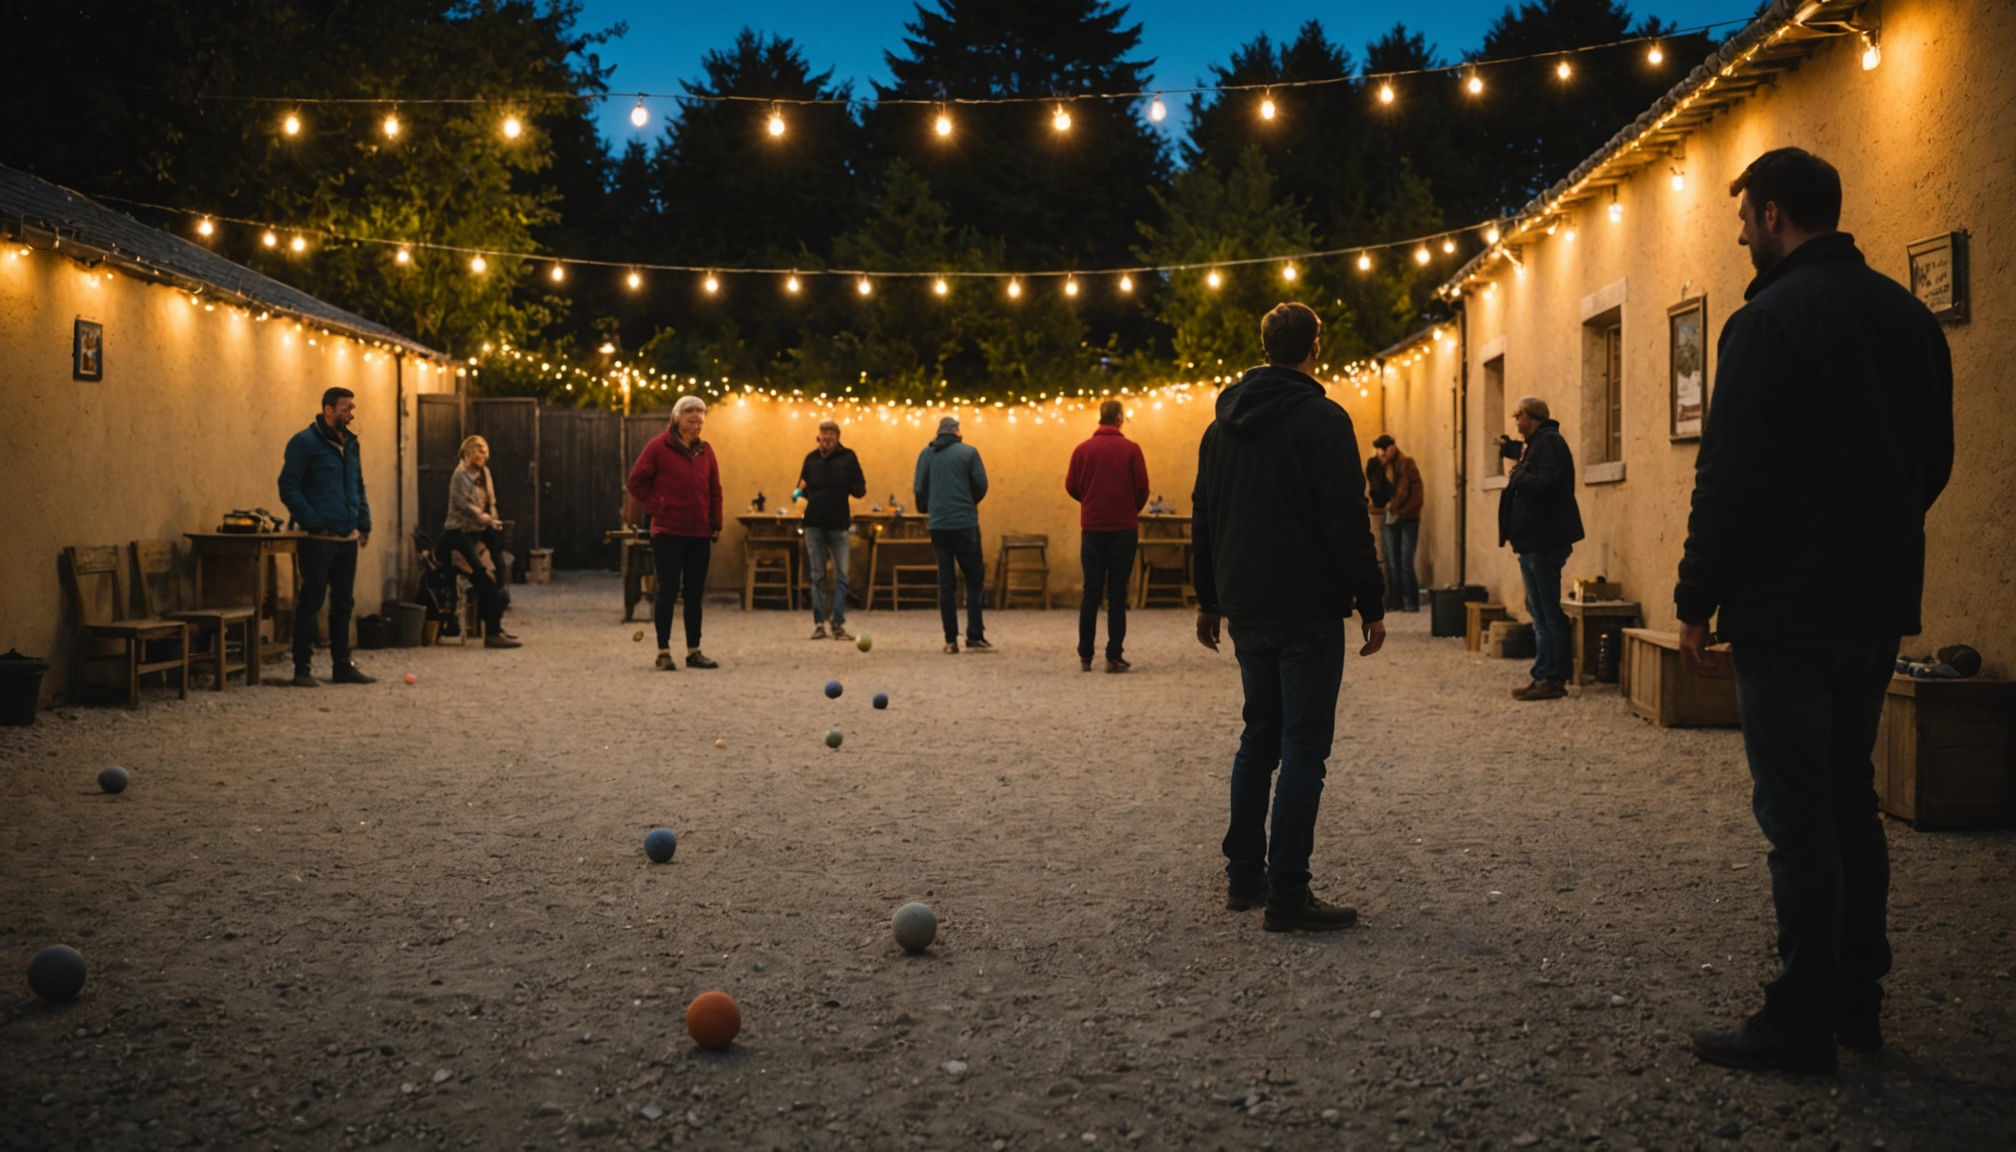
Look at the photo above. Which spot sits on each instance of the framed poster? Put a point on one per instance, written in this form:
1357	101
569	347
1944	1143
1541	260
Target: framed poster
1687	335
1939	275
87	351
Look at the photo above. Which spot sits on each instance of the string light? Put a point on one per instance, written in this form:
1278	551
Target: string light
292	125
1213	279
1288	272
1014	289
1616	212
512	128
1679	180
1563	70
558	273
791	284
270	240
711	284
776	122
1157	110
1448	247
204	227
1267	107
943	123
939	286
391	127
1421	255
1364	262
1386	92
478	265
1571	234
639	116
1655	56
634	280
1475	84
1872	53
1491	234
1126	283
1070	286
403	256
1062	120
298	244
863	287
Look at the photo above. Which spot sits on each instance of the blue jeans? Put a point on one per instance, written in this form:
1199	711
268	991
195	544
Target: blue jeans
1291	673
1810	709
819	542
1401	538
960	546
1108	561
1552	635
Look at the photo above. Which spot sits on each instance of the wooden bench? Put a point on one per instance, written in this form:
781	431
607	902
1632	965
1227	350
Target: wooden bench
90	569
160	597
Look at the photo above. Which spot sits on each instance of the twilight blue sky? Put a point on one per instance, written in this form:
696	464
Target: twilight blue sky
666	40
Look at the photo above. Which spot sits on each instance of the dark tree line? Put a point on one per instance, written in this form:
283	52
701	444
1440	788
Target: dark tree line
150	100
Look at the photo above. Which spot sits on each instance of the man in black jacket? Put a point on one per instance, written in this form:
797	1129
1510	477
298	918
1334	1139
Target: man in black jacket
1283	547
1538	516
830	474
1829	436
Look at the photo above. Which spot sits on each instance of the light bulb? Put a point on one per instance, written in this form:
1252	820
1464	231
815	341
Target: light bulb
1062	120
1421	255
638	115
558	273
1126	283
634	280
1014	288
1364	262
391	127
1448	247
863	287
204	227
512	128
291	125
1070	287
270	240
1385	93
711	284
402	256
939	286
1267	108
1571	234
791	284
1288	272
1655	55
1563	70
298	244
1491	234
1679	181
943	125
1616	212
1872	54
478	265
1475	84
1213	279
1157	110
776	123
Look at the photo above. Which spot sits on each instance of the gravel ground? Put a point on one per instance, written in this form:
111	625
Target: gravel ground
402	914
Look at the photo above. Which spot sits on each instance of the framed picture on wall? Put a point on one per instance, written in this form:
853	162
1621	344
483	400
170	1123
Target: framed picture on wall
1687	333
87	351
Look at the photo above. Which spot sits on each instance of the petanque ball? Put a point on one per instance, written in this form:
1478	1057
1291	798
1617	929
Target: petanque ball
411	679
832	738
56	974
713	1019
914	927
660	845
114	779
832	689
638	636
720	743
881	700
864	643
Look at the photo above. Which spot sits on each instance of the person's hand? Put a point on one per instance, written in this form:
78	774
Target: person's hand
354	534
715	538
1207	629
363	539
1375	637
1694	649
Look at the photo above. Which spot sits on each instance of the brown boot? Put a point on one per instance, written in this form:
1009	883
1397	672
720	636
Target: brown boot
1545	690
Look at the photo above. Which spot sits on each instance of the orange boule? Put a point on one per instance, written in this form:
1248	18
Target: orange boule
713	1019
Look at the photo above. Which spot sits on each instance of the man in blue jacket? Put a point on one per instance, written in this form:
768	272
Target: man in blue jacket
950	483
322	484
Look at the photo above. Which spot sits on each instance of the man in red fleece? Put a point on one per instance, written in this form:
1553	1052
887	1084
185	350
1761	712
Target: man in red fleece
1109	479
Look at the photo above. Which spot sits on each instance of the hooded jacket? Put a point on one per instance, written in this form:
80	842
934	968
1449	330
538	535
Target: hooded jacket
1109	479
322	482
1279	530
1829	435
950	483
1537	509
679	487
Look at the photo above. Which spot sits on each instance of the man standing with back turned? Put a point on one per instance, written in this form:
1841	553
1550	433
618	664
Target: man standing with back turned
1830	435
949	485
322	484
1283	548
1109	479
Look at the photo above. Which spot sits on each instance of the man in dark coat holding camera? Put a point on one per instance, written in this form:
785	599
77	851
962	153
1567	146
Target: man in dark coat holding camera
1538	516
1829	437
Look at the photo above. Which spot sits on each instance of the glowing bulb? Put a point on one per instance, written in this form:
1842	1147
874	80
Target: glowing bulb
1421	255
1157	110
204	227
1288	272
478	265
1571	234
776	123
558	273
1014	288
639	116
1267	108
1364	262
391	127
634	280
1475	84
1679	181
1126	283
943	125
1563	71
606	349
1062	120
939	286
402	256
298	244
1448	247
1872	55
270	240
711	284
1213	279
791	285
1385	93
863	287
1655	55
512	128
1070	287
291	125
1491	234
1616	213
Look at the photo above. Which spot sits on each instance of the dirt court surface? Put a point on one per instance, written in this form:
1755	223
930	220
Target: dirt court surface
397	915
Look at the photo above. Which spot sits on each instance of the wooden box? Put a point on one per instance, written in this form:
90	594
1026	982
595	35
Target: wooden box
1508	640
1942	752
1586	590
1476	616
539	568
1664	692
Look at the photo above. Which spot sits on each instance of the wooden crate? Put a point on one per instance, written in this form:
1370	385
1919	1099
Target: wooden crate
1476	615
1509	640
1664	692
1942	752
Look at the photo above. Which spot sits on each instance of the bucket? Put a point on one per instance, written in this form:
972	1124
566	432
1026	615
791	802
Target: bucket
376	632
20	688
409	618
1446	616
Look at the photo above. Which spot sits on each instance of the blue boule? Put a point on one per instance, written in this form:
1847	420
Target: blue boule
660	845
114	779
832	689
56	974
881	700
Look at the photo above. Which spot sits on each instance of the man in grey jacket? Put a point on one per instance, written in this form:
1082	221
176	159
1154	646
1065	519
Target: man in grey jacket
950	483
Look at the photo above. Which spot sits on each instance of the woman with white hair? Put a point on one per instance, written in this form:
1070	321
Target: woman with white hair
472	517
677	482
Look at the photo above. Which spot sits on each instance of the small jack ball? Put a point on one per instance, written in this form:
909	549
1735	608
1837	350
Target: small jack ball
114	779
833	738
638	636
881	700
660	845
915	927
56	974
720	743
411	679
833	689
864	643
713	1019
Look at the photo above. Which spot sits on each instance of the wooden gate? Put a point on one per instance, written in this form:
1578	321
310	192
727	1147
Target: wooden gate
438	436
581	483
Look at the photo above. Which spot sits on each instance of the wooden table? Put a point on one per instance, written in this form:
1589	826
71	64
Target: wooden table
891	537
637	565
1167	536
1612	616
231	570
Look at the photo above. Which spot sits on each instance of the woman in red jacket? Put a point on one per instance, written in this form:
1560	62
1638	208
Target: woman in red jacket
677	481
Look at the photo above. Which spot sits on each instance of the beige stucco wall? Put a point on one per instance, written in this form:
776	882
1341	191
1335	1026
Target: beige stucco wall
189	422
1924	147
1417	389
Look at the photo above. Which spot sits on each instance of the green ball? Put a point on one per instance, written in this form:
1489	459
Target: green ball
832	738
915	927
865	643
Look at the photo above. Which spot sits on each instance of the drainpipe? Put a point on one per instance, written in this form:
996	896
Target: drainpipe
1462	469
399	467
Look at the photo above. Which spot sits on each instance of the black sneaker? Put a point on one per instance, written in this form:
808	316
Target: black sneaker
1245	897
1306	913
302	679
973	645
699	660
1862	1035
1115	664
350	674
1759	1046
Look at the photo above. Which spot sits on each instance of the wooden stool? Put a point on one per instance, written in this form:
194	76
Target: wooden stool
766	575
1475	617
1026	579
916	591
160	597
